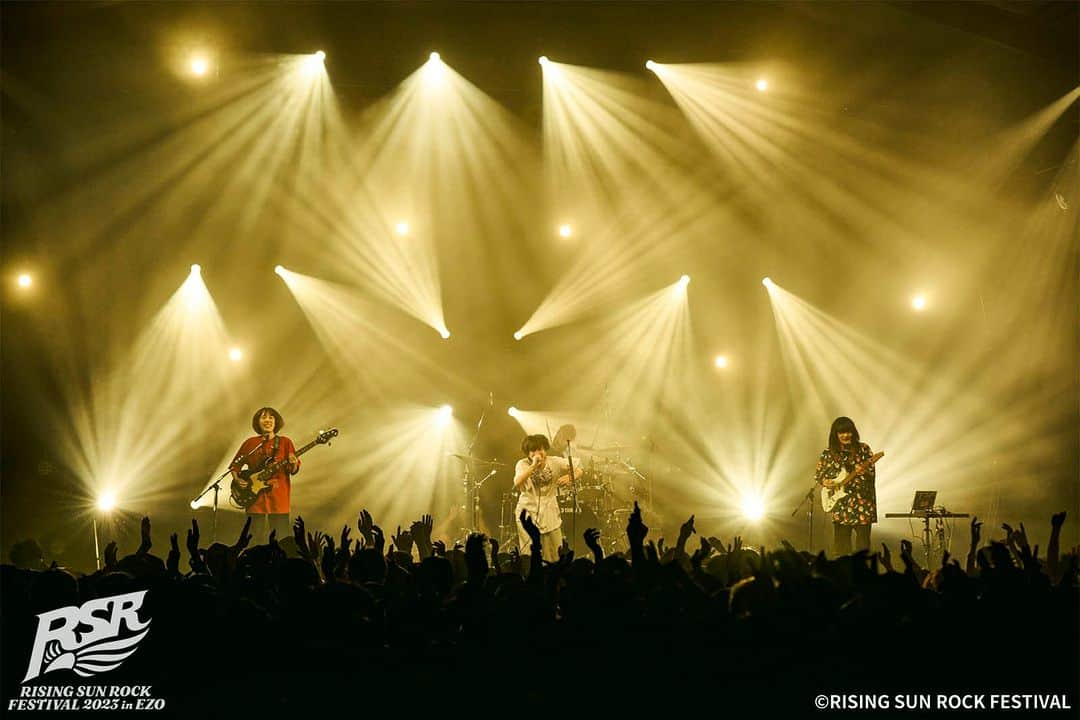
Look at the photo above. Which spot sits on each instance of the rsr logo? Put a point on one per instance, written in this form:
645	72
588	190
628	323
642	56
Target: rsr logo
59	645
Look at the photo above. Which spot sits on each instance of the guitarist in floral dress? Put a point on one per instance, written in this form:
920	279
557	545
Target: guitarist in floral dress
272	506
857	511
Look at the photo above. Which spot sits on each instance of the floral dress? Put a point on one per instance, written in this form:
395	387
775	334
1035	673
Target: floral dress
859	506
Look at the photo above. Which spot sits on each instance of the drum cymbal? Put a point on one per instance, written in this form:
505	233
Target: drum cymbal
478	461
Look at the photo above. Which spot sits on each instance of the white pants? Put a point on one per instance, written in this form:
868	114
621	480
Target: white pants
549	544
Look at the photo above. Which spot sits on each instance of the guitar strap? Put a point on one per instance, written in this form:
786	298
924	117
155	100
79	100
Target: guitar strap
273	452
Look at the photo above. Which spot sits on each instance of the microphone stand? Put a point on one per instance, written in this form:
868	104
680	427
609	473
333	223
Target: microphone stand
809	498
573	495
216	487
472	495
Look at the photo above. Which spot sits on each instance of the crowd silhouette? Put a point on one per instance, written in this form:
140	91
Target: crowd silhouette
347	620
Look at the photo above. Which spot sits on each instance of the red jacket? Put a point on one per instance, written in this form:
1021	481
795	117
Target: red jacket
276	500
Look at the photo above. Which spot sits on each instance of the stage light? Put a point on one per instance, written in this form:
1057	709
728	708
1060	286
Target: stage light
280	270
918	303
767	282
106	502
313	64
25	280
721	361
434	72
518	335
236	354
565	231
199	66
753	509
196	269
684	281
512	412
444	333
194	505
650	65
444	415
402	228
543	60
762	85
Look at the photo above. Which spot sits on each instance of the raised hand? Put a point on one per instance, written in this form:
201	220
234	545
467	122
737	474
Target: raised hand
592	541
172	562
1057	520
976	528
300	536
905	548
702	553
379	538
272	540
193	539
366	527
145	544
530	528
403	541
686	530
886	557
110	555
439	547
421	535
1021	538
245	536
345	541
328	560
636	530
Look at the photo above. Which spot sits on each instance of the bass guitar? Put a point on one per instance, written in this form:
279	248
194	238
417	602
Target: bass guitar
833	495
251	482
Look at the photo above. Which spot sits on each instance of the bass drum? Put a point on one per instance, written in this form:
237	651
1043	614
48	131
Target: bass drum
586	518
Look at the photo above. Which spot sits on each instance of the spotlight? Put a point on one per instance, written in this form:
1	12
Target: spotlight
196	269
720	361
199	66
434	72
236	354
194	505
25	280
565	231
320	56
512	412
762	85
918	303
543	60
518	335
402	228
753	509
767	282
684	281
444	415
280	270
445	334
650	65
312	64
106	502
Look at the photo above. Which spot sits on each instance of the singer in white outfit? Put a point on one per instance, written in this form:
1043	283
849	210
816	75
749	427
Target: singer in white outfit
535	476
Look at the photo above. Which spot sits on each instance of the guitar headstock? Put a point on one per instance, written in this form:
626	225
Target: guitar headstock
326	436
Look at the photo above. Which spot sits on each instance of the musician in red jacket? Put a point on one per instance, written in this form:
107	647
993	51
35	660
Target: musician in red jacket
269	447
856	511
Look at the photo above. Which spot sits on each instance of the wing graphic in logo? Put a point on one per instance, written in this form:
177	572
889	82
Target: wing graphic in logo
93	659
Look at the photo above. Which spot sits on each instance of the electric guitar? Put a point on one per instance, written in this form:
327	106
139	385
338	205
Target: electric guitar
254	479
831	496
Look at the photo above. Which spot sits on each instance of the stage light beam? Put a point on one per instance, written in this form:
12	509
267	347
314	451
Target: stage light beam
683	282
767	282
518	335
512	412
